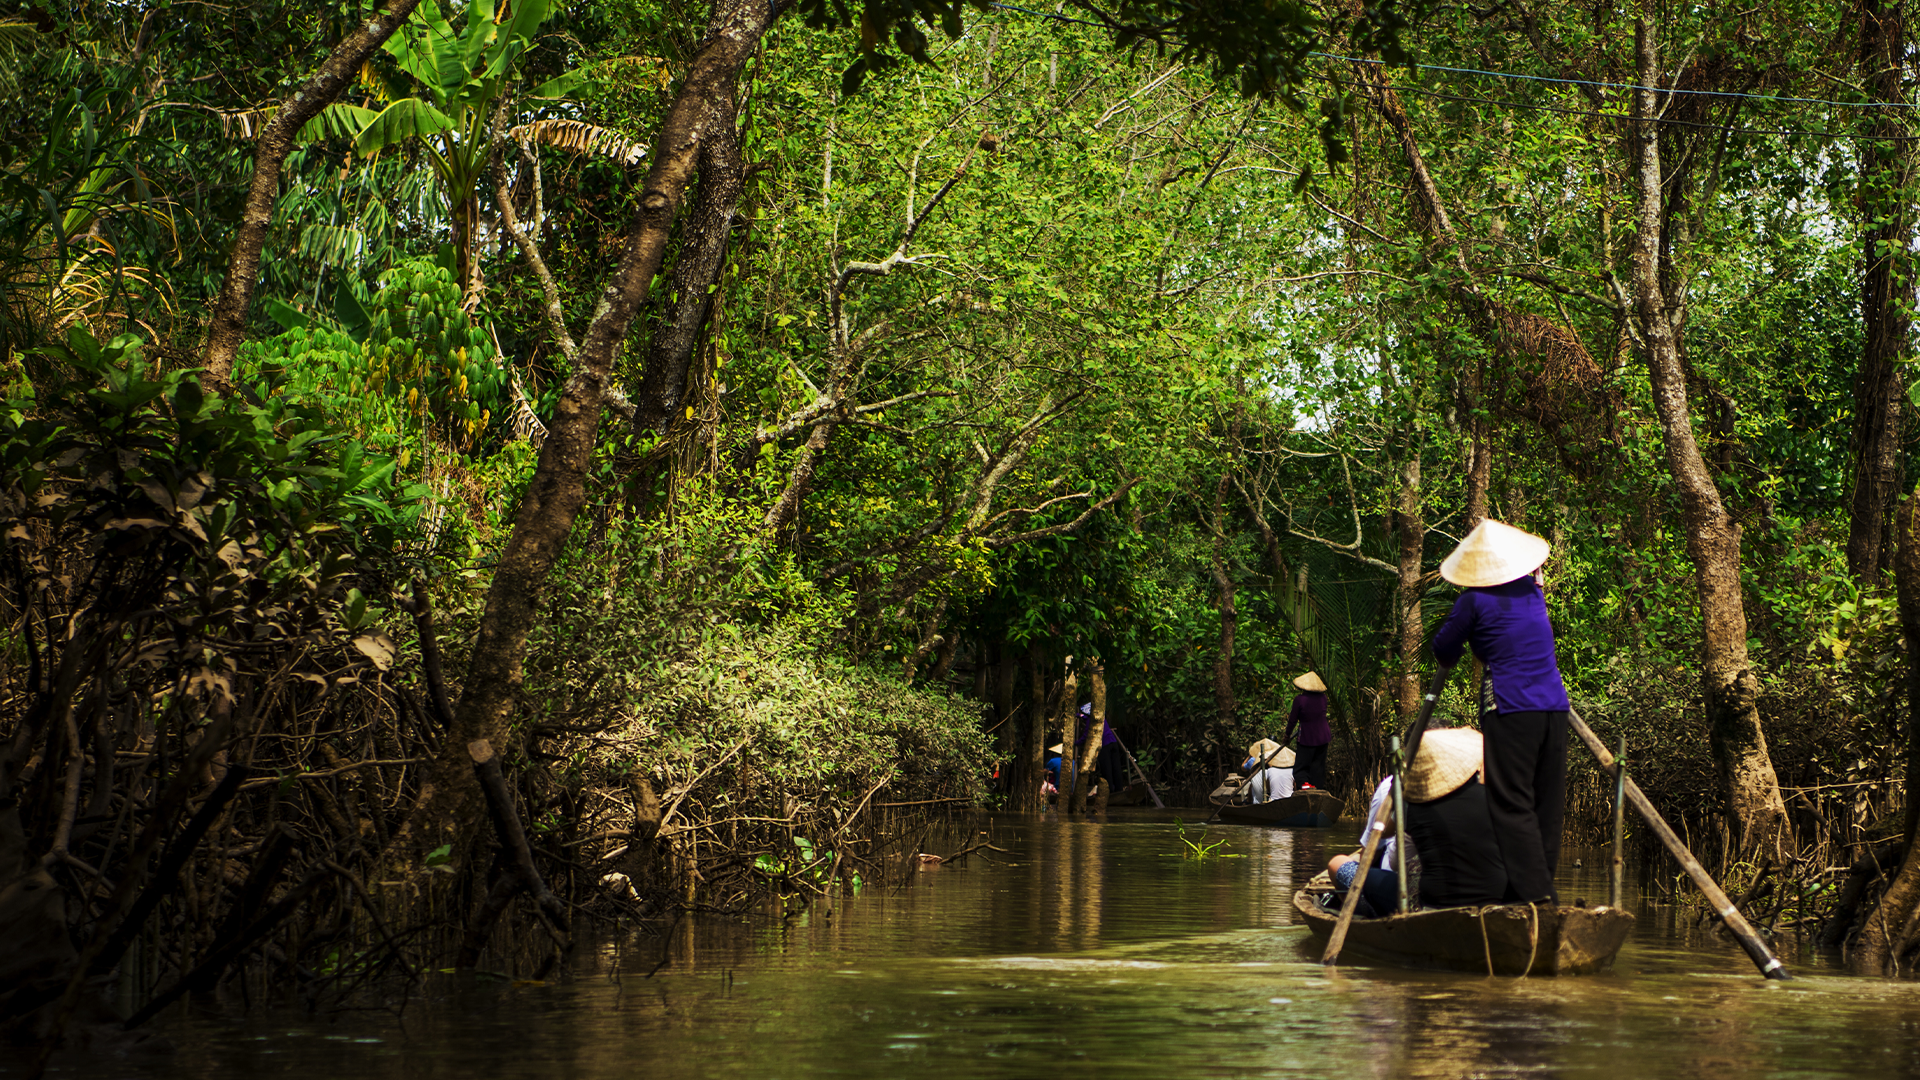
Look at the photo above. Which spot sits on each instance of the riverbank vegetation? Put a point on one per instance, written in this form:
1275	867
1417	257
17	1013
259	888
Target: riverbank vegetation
535	462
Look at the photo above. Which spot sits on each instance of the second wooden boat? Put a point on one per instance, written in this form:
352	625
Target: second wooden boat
1500	939
1310	809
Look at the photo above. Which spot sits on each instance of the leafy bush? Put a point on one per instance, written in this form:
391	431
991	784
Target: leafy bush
421	366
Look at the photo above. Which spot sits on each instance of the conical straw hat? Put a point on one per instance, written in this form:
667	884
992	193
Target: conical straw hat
1311	681
1494	553
1448	758
1281	759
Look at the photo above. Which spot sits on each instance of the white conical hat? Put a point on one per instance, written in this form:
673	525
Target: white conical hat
1311	681
1494	553
1448	758
1272	753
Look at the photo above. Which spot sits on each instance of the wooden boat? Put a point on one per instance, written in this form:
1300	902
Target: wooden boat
1500	939
1309	809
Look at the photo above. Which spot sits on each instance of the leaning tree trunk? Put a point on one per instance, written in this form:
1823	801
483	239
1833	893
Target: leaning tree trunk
1756	814
557	491
270	150
696	275
1887	292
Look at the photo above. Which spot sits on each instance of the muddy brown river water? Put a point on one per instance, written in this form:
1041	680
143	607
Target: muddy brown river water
1091	950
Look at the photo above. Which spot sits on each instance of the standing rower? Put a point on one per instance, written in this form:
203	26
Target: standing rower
1502	613
1309	713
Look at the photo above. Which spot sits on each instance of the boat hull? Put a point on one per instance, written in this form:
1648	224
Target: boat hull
1314	809
1503	939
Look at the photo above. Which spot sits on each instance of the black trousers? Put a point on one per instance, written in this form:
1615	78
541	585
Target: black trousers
1527	796
1111	765
1310	766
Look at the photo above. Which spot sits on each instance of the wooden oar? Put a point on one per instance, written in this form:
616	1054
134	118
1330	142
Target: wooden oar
1375	827
1763	958
1151	794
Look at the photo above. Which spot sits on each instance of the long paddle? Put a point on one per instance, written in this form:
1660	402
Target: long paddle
1769	965
1151	794
1376	828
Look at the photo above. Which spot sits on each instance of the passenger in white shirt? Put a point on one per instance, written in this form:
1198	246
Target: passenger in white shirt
1274	780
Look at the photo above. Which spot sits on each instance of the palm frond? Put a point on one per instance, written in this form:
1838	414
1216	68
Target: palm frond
332	245
580	137
18	33
245	123
337	121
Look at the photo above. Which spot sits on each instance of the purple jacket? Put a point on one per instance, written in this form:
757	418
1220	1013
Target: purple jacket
1107	735
1309	712
1508	628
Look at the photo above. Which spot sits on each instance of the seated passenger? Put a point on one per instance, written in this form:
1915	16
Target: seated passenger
1454	859
1449	825
1272	766
1379	893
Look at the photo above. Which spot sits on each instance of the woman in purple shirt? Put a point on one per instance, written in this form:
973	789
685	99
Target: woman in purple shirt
1502	613
1309	715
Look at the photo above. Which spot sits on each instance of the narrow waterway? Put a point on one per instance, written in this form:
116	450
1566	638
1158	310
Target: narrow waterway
1091	950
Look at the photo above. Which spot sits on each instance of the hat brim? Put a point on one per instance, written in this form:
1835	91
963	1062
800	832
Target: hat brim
1494	553
1312	682
1448	758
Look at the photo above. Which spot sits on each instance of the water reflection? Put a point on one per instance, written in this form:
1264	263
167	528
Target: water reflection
1092	947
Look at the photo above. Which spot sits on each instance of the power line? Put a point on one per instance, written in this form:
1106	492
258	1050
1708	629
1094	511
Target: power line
1729	94
1562	111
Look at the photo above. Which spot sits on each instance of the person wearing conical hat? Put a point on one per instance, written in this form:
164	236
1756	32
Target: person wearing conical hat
1448	828
1502	614
1309	713
1272	767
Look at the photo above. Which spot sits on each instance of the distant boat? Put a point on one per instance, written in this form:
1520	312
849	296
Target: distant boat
1499	939
1309	809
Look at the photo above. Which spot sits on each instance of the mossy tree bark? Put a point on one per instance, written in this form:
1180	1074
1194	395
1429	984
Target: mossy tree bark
1756	814
1887	288
1890	930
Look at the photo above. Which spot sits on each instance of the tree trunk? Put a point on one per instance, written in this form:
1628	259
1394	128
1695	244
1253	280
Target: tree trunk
696	275
1888	931
1479	470
1411	522
1069	723
1027	797
1756	814
1083	776
1887	293
557	491
1009	733
466	216
229	323
1906	576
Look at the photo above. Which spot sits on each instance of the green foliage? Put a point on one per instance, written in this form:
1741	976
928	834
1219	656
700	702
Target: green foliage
423	372
222	521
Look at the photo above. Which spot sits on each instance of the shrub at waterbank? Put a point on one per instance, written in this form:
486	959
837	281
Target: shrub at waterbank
745	743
